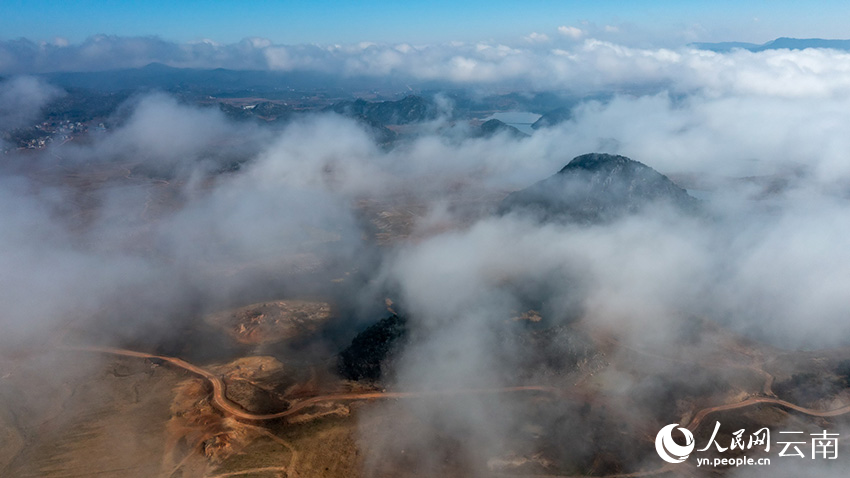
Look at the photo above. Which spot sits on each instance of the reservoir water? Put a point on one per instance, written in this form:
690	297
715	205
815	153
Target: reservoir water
521	120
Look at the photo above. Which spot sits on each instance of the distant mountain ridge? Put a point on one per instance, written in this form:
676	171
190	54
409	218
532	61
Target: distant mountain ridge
778	44
160	76
410	109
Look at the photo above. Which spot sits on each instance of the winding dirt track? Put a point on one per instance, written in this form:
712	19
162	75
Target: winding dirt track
700	416
222	403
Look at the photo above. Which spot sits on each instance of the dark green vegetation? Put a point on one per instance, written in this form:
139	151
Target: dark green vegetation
370	353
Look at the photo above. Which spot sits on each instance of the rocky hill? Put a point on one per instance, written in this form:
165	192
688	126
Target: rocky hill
493	127
597	187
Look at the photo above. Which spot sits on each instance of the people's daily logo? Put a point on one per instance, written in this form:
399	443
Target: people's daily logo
668	449
823	445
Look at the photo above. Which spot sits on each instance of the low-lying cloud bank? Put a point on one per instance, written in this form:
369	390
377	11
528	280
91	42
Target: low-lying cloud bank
575	64
171	236
21	100
772	169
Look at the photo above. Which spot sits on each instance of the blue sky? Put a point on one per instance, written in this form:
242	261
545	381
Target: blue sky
326	21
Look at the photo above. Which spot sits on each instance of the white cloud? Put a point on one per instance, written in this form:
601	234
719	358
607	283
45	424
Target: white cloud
258	42
589	65
779	263
535	37
570	31
22	98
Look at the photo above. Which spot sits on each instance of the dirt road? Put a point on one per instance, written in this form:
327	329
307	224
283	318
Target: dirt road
222	403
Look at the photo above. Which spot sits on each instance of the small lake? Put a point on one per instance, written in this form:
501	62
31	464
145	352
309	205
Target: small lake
521	120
